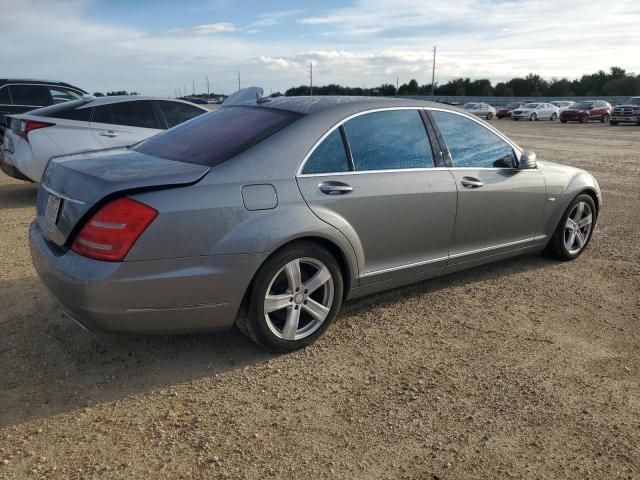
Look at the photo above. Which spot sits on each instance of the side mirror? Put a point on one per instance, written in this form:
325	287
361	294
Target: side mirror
528	160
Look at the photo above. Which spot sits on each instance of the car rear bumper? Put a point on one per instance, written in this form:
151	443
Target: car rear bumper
9	168
155	296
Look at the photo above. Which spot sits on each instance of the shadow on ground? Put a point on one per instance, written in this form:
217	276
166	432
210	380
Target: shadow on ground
18	195
49	365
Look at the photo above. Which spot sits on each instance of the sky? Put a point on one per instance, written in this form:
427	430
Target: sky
164	46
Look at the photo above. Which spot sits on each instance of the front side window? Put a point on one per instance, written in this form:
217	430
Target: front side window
473	145
217	136
394	139
31	95
176	113
328	157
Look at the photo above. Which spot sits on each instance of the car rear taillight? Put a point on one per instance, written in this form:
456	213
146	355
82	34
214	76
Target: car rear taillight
27	126
113	230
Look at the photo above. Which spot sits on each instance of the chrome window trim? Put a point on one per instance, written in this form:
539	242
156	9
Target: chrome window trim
517	150
33	85
398	170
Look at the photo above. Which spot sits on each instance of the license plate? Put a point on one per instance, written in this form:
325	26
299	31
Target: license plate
53	207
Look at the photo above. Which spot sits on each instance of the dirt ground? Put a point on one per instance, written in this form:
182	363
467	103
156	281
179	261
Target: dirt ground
527	368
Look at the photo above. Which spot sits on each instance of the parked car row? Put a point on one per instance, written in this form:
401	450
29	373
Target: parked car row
79	124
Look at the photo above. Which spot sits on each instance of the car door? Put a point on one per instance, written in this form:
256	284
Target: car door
383	193
499	206
124	123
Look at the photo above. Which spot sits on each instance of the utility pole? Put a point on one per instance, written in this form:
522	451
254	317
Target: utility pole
185	90
238	80
208	91
311	79
433	74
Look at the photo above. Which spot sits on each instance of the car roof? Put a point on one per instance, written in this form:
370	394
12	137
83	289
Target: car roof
343	104
38	81
131	98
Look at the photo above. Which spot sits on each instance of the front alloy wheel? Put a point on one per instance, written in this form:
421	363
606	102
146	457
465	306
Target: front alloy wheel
295	296
575	229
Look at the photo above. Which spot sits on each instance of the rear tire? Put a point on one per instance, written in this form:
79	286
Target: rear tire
298	315
605	118
554	117
574	231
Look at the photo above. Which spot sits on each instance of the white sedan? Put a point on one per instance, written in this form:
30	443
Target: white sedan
480	109
85	125
536	111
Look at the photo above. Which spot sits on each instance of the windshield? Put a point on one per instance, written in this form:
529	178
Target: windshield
469	106
512	105
214	137
531	105
581	105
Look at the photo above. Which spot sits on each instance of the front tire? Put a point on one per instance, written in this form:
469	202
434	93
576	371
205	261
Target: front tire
533	117
296	295
584	119
613	123
489	116
575	229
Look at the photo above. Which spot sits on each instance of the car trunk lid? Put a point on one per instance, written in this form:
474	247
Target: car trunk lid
75	185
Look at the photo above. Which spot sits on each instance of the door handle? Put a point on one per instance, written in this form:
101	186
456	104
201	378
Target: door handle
109	133
470	182
335	188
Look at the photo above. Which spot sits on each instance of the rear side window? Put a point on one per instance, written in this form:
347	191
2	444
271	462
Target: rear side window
130	114
473	145
5	99
61	95
31	95
134	114
176	113
328	157
395	139
217	136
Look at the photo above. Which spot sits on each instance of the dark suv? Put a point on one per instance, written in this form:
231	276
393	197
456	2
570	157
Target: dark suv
20	95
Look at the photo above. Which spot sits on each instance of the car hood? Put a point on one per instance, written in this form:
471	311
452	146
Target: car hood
628	105
525	110
576	110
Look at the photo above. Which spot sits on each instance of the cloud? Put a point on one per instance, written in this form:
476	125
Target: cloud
214	28
273	18
323	20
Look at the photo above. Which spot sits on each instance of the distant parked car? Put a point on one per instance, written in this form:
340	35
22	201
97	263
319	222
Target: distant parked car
483	110
85	125
626	113
197	101
585	111
535	111
19	95
505	112
562	105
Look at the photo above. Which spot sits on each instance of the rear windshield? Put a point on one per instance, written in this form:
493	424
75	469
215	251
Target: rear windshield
214	137
60	110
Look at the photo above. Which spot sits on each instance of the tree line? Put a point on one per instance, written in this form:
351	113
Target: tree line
615	82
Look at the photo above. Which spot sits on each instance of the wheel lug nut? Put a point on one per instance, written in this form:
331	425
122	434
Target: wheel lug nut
297	307
291	299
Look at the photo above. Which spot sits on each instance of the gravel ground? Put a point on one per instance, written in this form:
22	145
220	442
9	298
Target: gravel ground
527	368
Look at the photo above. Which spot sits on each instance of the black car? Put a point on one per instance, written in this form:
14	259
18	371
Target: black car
22	95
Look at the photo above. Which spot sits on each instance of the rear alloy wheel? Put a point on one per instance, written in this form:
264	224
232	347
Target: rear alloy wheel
574	230
605	118
554	117
295	297
533	117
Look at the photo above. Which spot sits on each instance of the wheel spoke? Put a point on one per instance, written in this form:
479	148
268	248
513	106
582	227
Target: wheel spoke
317	311
579	211
291	325
571	240
585	221
322	276
580	238
292	270
571	224
276	302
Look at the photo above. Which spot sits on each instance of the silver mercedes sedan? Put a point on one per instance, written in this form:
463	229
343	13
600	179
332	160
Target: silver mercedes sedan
269	214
